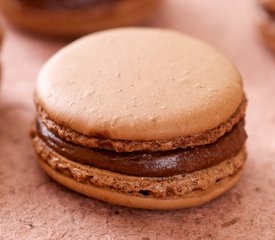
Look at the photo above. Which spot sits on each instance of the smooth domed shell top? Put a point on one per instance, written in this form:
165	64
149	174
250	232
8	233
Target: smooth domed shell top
139	84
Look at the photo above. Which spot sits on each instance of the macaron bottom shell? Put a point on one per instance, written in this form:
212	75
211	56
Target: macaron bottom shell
181	191
190	200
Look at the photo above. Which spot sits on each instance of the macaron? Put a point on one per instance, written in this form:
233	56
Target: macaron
72	18
267	22
141	117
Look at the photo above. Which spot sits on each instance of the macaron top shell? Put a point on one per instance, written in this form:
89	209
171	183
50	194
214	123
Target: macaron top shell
139	84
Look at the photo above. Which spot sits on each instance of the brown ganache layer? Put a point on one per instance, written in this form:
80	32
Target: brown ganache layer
66	4
103	142
149	164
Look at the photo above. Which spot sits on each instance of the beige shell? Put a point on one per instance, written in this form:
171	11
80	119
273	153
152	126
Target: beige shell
139	84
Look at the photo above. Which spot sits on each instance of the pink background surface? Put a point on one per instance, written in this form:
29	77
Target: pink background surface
34	207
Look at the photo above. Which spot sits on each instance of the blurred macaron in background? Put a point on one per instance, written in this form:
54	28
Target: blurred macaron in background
73	18
267	22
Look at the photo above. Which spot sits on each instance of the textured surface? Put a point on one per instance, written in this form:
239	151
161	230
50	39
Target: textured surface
34	207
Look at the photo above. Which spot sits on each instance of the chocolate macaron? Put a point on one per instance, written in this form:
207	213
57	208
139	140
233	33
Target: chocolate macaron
267	22
71	18
143	118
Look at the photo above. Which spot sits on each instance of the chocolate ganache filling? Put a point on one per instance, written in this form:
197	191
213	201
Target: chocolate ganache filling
149	164
66	4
